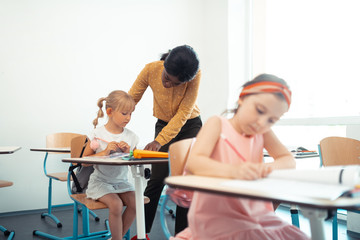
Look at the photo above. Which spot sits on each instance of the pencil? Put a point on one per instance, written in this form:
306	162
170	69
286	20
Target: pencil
101	139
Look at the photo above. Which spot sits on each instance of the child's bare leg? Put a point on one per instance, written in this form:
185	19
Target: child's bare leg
129	214
115	205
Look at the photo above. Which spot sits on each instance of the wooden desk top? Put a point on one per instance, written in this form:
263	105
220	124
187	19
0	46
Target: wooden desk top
52	150
216	186
9	150
115	161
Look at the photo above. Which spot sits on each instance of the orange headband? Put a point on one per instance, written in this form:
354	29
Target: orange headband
267	87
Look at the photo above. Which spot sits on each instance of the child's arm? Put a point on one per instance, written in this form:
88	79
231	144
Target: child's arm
282	157
200	163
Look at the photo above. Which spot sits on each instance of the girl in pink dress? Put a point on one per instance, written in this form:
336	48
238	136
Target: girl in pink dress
233	148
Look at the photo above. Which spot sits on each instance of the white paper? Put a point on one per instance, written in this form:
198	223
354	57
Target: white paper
320	183
113	156
350	175
290	187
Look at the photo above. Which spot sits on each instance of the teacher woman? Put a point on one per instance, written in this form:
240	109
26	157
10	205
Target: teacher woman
175	81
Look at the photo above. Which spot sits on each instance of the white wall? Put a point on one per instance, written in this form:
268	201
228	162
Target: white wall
58	57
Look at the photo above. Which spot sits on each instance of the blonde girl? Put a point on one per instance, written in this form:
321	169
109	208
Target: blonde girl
109	184
233	148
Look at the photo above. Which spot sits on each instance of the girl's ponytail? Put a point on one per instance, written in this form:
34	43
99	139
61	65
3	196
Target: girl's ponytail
100	113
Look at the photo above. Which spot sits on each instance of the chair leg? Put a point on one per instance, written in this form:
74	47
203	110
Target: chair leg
86	227
49	214
75	220
335	226
92	213
86	234
9	234
170	211
127	235
85	218
95	216
164	199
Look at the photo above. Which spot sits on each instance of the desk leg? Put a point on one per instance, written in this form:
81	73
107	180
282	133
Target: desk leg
294	215
316	218
138	174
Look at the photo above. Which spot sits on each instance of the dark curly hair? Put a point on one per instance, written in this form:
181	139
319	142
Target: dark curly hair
181	62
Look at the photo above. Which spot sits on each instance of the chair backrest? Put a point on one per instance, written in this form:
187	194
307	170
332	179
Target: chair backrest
339	151
78	145
60	140
82	175
178	153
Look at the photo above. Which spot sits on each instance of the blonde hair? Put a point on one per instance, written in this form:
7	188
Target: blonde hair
117	100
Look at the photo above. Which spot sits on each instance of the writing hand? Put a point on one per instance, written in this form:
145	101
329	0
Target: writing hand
252	171
153	146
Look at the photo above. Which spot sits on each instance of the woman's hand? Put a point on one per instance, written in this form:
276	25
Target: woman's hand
252	171
153	146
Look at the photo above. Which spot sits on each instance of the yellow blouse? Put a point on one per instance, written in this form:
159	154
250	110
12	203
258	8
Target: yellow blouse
173	105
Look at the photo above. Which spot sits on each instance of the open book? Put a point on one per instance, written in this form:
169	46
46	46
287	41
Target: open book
324	183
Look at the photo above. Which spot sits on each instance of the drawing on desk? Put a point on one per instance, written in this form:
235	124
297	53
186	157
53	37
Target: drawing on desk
114	156
326	183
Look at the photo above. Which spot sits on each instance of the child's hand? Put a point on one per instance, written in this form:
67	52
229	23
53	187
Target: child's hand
124	147
111	147
252	171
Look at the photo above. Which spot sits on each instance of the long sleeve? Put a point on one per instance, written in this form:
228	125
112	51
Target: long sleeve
186	110
140	85
173	105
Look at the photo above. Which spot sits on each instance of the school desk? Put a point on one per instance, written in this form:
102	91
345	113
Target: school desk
51	150
3	183
137	169
314	209
8	150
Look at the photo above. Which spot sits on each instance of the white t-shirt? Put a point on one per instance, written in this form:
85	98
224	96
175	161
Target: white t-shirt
115	177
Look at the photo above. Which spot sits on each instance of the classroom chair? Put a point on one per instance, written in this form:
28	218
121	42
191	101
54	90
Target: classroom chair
78	145
341	151
56	140
7	233
79	185
163	201
178	154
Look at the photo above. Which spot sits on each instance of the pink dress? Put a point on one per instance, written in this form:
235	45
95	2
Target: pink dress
218	217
